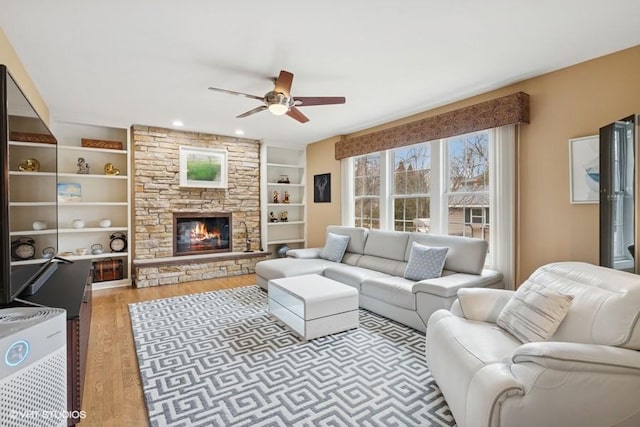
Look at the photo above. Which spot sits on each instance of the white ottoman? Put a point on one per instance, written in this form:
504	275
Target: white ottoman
313	306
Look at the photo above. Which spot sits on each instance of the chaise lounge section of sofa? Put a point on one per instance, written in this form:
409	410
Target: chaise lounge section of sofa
374	263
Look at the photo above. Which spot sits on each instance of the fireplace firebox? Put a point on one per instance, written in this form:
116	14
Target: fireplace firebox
201	233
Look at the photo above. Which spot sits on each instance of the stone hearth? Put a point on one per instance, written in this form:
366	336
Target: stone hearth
157	197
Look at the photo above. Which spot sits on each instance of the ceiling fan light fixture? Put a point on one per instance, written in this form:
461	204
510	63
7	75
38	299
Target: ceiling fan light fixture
278	103
279	109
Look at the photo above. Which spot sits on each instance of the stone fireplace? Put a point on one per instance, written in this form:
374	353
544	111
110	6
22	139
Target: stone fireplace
184	234
201	233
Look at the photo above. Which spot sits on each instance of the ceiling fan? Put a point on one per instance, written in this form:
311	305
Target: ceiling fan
279	100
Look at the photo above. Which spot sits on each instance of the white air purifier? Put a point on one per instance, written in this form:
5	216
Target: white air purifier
33	369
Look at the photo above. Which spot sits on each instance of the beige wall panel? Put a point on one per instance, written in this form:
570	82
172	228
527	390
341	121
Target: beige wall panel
320	159
9	58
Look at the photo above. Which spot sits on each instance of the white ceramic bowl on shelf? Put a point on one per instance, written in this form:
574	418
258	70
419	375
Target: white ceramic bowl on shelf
82	251
39	225
104	223
77	223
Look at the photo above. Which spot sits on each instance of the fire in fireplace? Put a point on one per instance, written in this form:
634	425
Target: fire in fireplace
201	233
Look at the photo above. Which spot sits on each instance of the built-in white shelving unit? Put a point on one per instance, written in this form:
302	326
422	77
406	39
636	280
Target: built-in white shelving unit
32	196
281	164
102	196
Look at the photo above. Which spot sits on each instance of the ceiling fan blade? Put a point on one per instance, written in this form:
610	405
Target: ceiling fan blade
250	112
297	114
305	101
283	83
246	95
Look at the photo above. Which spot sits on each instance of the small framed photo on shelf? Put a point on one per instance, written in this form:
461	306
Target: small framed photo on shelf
322	188
69	192
203	167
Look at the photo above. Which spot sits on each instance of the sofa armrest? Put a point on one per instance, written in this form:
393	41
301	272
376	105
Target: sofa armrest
490	385
448	285
307	253
483	304
565	356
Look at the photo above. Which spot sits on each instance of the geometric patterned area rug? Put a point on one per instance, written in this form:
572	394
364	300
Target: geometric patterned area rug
219	359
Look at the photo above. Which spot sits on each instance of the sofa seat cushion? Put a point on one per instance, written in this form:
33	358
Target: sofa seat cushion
350	275
392	290
287	267
448	285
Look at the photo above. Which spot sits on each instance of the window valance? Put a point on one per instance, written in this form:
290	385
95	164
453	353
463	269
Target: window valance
506	110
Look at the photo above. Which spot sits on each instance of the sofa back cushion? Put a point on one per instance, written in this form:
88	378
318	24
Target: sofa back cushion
606	303
465	255
357	237
387	244
384	252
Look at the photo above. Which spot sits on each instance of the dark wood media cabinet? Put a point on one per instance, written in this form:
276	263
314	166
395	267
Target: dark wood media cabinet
70	288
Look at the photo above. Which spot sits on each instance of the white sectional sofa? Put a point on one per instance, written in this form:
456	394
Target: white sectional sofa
374	263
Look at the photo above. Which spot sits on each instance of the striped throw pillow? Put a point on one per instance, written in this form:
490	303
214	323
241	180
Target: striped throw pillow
534	313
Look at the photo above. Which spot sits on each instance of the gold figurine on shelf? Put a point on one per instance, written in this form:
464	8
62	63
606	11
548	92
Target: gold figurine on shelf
109	169
29	165
276	197
285	197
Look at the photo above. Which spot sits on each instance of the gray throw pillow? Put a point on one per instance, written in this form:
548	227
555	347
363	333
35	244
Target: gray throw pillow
534	313
425	262
334	247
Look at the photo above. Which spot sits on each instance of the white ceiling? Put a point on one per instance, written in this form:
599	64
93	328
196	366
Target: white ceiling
149	62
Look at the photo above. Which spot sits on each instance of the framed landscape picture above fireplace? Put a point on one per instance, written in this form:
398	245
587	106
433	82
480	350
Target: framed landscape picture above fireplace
203	167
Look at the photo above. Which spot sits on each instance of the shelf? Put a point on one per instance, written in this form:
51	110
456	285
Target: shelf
32	204
91	175
32	144
39	174
286	223
284	165
29	261
284	205
91	256
283	184
280	242
106	284
32	232
91	149
85	204
90	229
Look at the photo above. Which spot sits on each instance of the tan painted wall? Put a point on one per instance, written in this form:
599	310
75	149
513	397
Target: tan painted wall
320	215
568	103
9	58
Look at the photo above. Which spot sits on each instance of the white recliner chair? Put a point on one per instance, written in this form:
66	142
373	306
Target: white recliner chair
586	374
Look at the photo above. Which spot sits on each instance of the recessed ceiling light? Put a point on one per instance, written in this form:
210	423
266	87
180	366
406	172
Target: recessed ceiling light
178	123
239	132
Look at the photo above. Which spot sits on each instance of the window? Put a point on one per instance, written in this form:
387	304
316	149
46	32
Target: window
467	194
411	176
440	187
367	172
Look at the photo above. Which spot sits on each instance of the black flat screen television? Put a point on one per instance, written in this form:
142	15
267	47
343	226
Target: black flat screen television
18	115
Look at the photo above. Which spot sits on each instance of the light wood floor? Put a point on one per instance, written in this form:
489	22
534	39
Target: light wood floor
112	392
